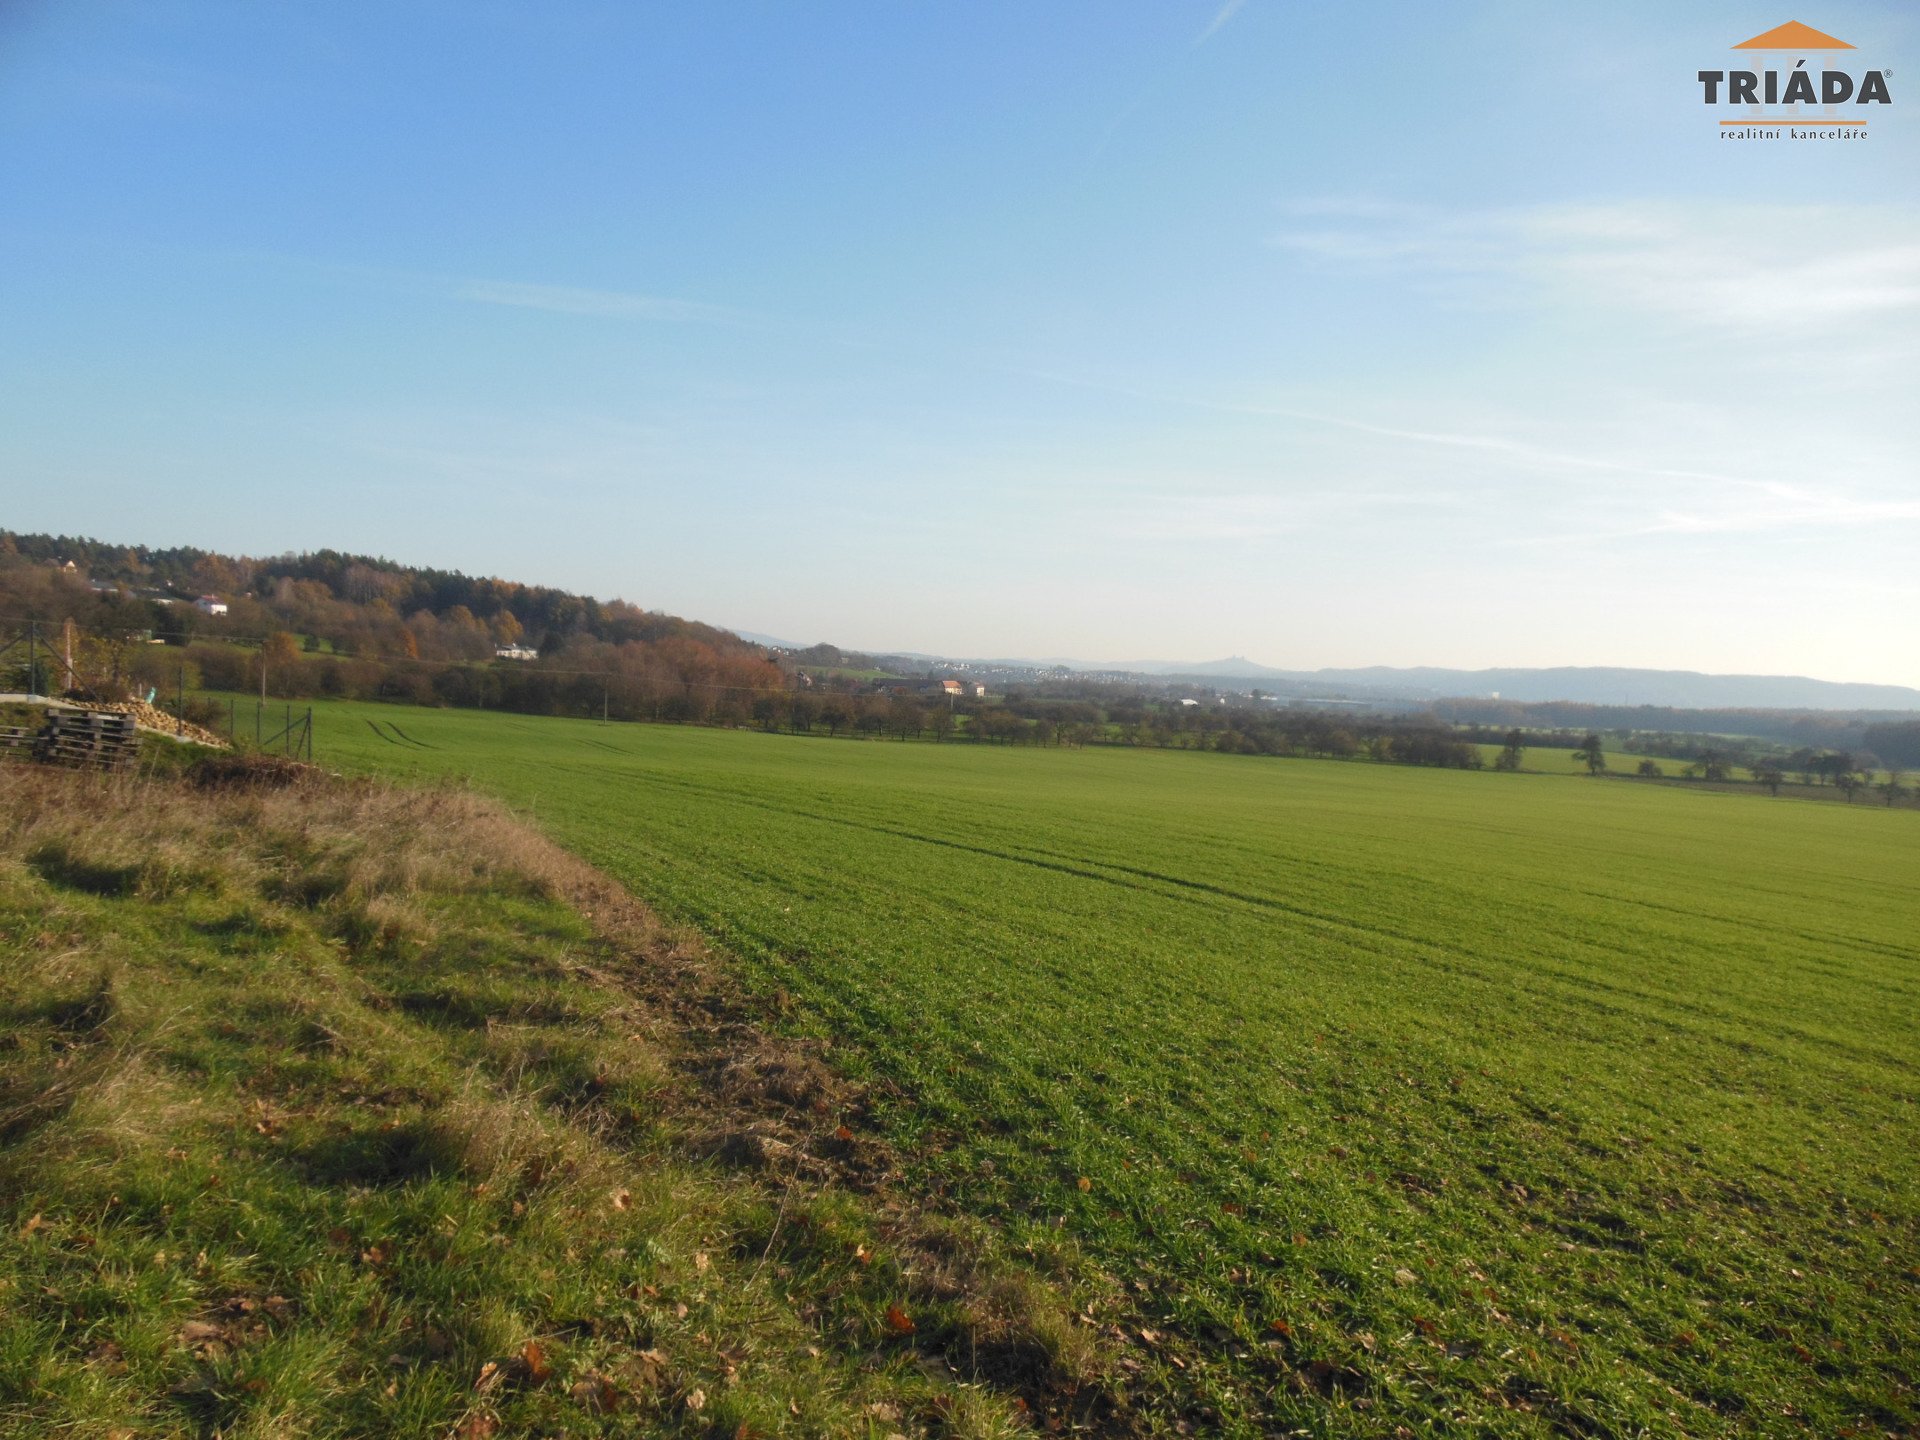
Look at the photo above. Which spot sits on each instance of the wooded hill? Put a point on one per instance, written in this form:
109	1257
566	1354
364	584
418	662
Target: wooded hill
375	628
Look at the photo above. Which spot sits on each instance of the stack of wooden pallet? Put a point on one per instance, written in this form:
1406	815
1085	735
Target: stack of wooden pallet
94	739
15	737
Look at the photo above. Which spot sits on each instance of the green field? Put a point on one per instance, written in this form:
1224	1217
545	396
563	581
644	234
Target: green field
1497	1104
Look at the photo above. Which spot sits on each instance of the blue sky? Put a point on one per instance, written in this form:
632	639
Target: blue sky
1342	334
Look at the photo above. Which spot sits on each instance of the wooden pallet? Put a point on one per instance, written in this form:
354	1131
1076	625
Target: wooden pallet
88	739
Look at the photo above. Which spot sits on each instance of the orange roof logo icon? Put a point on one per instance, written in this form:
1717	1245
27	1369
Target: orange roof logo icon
1793	36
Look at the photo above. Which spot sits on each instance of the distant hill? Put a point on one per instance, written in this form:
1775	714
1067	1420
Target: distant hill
1608	685
1577	684
1587	684
754	637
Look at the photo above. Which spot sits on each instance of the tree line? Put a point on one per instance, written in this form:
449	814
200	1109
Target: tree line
328	624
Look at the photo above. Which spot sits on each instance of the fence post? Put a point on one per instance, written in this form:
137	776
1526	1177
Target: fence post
33	638
181	728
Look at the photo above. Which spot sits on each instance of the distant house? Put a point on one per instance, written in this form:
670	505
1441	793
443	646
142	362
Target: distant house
1189	702
950	688
979	690
207	605
515	652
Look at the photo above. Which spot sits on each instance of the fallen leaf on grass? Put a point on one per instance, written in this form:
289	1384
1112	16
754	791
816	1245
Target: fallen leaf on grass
697	1400
488	1377
899	1321
596	1393
477	1426
535	1359
623	1199
1085	1184
201	1337
35	1224
1404	1277
843	1133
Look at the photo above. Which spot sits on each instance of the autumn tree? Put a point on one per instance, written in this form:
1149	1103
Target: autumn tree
279	652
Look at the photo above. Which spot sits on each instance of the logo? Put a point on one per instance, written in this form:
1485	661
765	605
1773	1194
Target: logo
1782	98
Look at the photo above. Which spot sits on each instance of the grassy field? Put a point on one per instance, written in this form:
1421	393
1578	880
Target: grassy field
346	1111
1502	1104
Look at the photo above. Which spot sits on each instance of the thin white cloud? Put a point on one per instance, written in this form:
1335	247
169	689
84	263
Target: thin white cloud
1504	447
1805	267
1250	516
1675	500
1792	511
1219	22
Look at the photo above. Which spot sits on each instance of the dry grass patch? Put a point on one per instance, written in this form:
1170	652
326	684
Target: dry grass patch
327	1108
